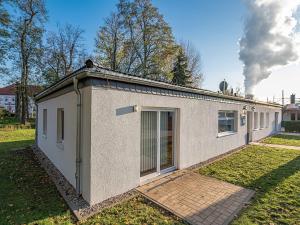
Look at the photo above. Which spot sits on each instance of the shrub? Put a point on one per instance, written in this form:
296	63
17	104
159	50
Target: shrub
4	113
291	126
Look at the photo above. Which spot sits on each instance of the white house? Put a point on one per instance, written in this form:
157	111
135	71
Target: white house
109	132
8	98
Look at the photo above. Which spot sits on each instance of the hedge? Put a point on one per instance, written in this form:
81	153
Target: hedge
291	126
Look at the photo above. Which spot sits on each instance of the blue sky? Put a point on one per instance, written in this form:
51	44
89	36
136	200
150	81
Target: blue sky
213	26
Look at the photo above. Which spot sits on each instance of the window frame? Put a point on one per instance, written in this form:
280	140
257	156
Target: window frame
45	118
261	120
235	122
293	116
60	134
267	120
255	121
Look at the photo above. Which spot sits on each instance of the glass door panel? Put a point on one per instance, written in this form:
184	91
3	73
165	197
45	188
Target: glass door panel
166	140
149	142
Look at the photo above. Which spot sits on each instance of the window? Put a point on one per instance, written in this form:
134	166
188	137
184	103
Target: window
293	116
255	120
227	121
262	120
60	125
267	119
44	122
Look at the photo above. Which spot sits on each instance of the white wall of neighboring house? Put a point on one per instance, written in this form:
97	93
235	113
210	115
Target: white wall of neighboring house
8	102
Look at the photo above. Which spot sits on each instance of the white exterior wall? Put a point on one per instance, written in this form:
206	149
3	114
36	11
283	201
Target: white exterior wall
8	102
261	133
64	158
115	139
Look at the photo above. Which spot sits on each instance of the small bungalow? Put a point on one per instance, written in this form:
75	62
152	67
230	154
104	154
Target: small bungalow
108	132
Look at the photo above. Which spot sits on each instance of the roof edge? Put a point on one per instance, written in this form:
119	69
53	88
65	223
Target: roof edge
94	70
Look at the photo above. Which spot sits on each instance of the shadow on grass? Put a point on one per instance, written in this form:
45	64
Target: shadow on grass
276	176
26	192
11	146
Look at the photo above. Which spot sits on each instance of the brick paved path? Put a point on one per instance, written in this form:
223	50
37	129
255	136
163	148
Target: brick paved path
197	199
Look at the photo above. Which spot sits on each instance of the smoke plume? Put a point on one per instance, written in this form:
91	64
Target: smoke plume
270	39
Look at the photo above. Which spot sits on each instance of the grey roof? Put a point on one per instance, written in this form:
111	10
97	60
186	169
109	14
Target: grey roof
93	70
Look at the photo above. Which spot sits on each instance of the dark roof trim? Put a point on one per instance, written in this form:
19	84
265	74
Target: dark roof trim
92	70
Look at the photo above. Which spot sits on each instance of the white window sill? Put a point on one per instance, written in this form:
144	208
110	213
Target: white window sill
256	129
224	134
60	145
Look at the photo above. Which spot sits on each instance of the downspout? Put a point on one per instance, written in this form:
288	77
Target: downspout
36	123
78	136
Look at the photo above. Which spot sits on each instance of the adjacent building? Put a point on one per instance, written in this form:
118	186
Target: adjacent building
109	132
291	112
8	98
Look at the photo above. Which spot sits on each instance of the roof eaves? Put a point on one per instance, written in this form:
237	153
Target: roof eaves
104	73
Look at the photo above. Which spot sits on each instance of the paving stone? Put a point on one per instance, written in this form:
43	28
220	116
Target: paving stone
196	198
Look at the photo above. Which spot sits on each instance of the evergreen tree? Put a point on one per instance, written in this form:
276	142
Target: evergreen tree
181	74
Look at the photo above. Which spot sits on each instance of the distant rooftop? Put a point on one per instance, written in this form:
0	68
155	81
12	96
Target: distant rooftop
11	89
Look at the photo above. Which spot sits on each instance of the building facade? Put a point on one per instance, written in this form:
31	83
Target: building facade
123	130
8	98
291	112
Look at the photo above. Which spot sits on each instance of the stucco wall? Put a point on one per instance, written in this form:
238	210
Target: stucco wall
261	133
64	156
115	136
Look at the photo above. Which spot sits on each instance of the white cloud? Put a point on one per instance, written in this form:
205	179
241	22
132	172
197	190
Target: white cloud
270	39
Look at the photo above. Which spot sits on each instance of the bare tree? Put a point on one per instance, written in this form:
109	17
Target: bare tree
194	63
110	41
4	35
137	40
26	33
63	52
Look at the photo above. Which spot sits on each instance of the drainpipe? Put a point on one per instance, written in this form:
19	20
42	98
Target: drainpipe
78	136
36	122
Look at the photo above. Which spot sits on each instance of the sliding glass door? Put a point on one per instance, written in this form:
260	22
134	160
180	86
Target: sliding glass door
166	140
157	142
149	143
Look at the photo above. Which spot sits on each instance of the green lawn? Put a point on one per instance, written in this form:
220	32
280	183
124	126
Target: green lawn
27	195
275	176
281	139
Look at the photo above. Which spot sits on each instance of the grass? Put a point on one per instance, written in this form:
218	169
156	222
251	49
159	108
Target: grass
275	176
29	197
9	121
282	139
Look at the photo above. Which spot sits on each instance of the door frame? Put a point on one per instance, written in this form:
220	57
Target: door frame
249	126
159	172
276	119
